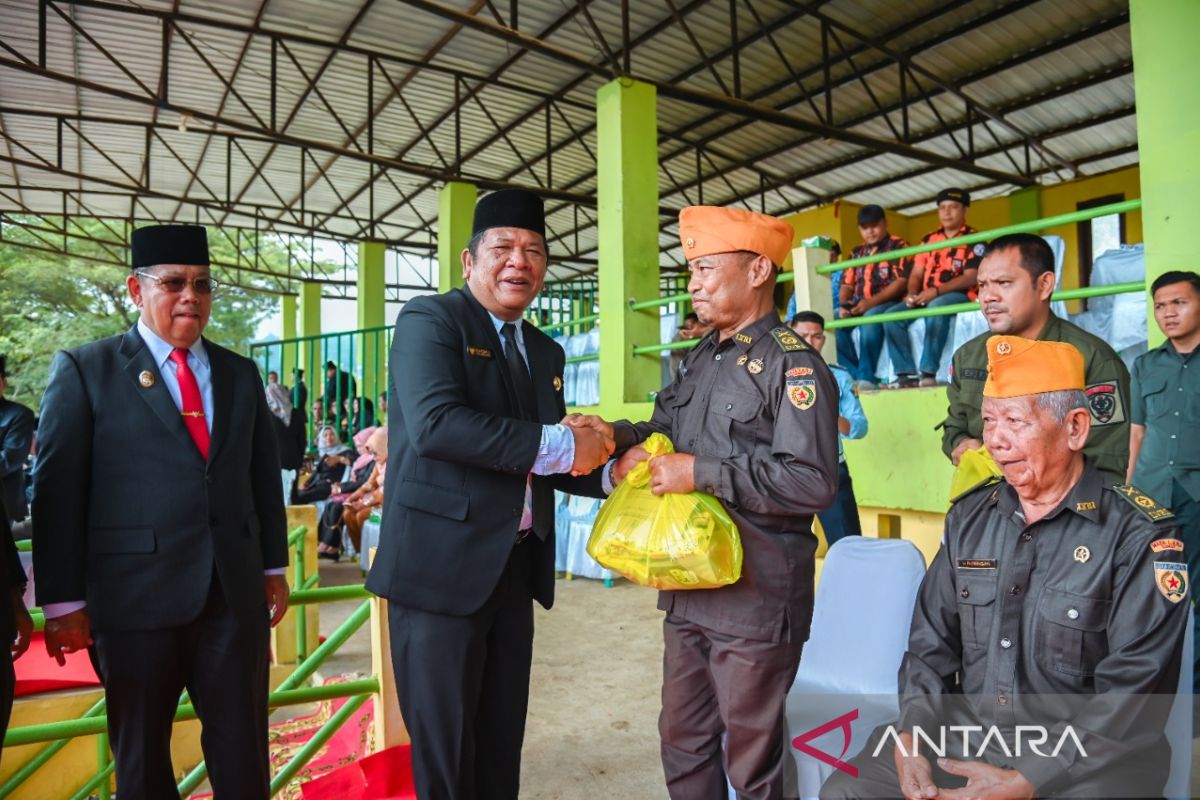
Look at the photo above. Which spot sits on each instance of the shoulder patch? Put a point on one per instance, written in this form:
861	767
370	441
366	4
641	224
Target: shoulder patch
1171	579
1104	403
1144	503
987	482
788	341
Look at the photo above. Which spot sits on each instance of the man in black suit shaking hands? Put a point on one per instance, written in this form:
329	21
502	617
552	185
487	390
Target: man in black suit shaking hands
477	448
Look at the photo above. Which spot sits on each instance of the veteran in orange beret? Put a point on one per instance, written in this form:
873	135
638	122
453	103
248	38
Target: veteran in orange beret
1058	599
753	416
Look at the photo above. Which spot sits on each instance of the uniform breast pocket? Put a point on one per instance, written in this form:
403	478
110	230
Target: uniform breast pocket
1154	396
734	416
976	607
1070	634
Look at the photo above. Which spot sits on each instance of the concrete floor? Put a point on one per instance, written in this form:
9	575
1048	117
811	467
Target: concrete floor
592	727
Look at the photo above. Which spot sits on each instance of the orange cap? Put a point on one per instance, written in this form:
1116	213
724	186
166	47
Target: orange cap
1018	366
707	230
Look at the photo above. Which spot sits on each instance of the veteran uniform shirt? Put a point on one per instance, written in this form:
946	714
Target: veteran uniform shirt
1107	392
1084	609
759	412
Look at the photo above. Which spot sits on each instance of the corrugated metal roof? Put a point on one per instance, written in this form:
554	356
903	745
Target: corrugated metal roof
1054	74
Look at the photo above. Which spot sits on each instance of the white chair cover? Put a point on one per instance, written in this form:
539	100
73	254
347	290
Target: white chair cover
860	626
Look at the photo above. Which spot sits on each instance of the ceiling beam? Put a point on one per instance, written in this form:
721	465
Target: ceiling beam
716	102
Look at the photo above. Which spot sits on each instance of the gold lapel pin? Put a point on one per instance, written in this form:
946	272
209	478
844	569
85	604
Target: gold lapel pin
557	383
146	378
1082	554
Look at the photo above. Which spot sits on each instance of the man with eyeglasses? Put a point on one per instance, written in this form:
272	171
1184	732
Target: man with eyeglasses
159	536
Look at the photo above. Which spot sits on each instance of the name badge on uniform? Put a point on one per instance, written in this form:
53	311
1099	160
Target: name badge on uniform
976	563
479	352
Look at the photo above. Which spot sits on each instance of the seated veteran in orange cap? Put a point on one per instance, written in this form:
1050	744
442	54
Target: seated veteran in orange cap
1058	601
753	416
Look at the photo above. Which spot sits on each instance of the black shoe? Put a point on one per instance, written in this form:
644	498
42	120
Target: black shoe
329	556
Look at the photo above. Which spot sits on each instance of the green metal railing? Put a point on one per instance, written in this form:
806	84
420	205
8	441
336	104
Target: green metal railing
361	355
94	721
974	238
985	236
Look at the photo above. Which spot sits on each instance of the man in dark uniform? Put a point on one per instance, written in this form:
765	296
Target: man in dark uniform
16	437
1164	413
1016	280
753	417
159	532
1058	600
467	541
937	278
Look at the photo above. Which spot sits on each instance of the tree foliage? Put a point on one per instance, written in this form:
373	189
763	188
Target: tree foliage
50	301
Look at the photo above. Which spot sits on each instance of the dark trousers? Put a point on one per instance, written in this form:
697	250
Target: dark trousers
221	659
8	682
715	684
1187	517
841	518
463	685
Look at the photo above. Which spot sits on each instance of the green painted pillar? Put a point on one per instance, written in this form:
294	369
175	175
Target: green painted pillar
372	343
310	351
288	358
627	200
456	208
1025	205
1163	34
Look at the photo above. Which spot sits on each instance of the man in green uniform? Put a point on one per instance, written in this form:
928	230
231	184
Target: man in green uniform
1164	437
1016	279
1057	604
753	417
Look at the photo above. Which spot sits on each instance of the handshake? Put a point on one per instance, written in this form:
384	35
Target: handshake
594	444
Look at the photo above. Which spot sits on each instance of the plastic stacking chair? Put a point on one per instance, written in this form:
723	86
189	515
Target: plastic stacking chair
859	633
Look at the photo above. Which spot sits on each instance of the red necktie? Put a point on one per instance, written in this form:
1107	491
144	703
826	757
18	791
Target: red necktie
193	404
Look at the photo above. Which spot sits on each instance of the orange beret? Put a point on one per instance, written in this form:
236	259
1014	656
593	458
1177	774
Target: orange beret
707	230
1018	366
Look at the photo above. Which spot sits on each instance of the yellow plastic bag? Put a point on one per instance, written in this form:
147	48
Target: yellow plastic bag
676	541
975	467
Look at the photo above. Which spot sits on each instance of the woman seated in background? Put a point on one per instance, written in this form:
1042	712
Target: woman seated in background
332	459
330	536
362	414
369	496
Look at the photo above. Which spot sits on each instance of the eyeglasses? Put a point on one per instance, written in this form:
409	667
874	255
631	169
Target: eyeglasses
174	284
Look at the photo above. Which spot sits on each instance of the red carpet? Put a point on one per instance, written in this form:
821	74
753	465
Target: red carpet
386	775
37	672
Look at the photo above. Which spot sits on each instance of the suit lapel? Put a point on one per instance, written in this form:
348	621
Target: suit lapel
223	379
483	325
156	395
541	371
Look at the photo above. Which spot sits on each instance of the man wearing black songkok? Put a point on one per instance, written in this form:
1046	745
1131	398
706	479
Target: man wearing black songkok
476	451
159	533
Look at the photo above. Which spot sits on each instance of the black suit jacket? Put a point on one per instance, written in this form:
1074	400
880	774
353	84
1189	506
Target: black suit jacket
458	458
127	514
16	435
